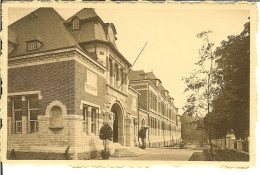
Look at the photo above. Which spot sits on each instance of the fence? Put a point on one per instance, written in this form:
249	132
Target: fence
240	145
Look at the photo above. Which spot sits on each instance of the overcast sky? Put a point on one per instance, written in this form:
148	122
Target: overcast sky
171	35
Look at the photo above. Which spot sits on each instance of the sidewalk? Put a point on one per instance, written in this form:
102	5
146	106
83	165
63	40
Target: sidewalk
164	154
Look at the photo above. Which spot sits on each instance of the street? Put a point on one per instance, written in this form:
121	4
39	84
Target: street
162	154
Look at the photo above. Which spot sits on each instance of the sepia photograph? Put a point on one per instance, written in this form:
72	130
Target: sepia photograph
138	83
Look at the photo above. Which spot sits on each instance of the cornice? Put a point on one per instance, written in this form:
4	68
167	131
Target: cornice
73	53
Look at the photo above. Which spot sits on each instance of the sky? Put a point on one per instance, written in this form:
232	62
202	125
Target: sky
172	47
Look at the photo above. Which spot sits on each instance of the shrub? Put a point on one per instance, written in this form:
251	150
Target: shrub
226	155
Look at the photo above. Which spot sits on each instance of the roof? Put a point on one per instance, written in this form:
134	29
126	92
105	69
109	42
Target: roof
135	75
150	75
85	13
94	32
47	25
56	33
12	36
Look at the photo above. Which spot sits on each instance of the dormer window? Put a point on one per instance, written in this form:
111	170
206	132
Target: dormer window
75	24
32	45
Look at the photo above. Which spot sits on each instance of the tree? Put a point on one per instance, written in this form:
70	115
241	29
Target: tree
231	107
201	87
105	134
189	131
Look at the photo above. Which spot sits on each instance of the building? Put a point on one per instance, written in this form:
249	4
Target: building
157	110
65	80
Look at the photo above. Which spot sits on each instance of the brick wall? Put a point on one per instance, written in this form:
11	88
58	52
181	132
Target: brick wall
54	80
143	99
139	86
132	99
80	94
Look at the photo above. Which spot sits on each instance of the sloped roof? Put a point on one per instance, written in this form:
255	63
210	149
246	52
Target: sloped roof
150	75
85	13
135	75
89	31
47	25
12	36
161	88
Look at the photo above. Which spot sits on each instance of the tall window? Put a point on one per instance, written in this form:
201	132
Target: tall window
85	115
122	76
93	119
155	104
90	116
17	114
111	67
33	114
75	24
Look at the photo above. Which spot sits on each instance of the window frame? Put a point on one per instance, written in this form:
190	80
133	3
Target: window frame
93	120
36	123
85	115
34	47
76	24
91	123
14	118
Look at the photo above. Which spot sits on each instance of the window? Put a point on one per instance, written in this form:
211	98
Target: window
91	83
93	119
122	76
75	24
90	116
17	114
111	67
33	115
143	123
32	45
101	53
85	116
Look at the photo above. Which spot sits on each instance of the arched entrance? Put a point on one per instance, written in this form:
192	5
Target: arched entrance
118	124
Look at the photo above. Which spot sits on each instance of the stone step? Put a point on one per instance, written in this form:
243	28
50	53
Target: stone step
121	151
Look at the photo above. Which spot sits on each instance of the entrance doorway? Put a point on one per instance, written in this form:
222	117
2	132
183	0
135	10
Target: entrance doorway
118	123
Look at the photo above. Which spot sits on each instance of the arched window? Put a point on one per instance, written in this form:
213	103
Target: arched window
75	24
143	123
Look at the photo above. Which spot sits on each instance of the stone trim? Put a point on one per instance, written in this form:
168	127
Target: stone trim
56	103
56	56
65	117
89	103
26	93
131	90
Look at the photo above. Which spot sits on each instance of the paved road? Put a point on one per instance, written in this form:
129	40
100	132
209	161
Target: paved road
162	154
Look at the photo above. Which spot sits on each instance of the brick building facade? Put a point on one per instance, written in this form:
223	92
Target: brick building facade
159	113
65	80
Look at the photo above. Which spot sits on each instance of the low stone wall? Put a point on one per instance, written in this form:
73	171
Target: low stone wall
18	155
50	144
240	145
